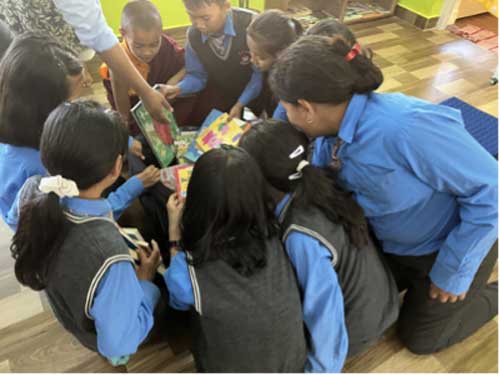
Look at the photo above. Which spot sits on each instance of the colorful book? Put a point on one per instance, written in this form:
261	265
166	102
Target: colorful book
160	136
183	174
134	240
221	131
182	144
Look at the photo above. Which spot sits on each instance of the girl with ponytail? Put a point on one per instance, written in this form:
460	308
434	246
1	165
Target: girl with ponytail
269	34
428	189
349	295
68	244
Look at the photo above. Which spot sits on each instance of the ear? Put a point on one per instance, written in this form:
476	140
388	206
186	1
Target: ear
117	168
309	110
123	32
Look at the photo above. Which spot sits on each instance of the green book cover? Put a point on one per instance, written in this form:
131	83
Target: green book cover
161	137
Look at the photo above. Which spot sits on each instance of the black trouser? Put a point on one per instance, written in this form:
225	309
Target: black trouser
426	325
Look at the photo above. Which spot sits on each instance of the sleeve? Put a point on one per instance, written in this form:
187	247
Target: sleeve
323	303
120	199
88	20
181	296
196	75
12	217
123	309
253	88
437	148
280	113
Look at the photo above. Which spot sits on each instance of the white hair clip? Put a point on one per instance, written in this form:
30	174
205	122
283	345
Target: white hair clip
59	185
298	174
297	152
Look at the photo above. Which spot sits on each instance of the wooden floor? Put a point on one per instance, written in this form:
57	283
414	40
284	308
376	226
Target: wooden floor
485	21
432	65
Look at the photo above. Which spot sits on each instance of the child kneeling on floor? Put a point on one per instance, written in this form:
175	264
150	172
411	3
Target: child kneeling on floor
68	244
232	270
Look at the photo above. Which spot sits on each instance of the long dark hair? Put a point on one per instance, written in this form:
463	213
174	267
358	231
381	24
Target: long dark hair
81	141
315	69
271	143
274	31
5	37
33	81
228	214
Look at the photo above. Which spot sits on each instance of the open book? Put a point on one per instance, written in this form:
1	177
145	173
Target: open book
134	240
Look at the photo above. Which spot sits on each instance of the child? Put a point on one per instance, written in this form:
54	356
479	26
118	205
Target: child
428	189
326	238
155	55
68	244
240	282
36	75
268	35
217	57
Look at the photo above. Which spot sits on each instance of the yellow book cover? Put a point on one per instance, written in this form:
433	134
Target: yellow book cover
218	132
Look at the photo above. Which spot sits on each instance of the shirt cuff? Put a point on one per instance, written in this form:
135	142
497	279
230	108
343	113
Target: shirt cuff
151	293
134	186
104	41
130	142
449	280
185	88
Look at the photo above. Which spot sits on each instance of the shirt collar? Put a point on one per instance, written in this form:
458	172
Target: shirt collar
228	28
87	207
351	118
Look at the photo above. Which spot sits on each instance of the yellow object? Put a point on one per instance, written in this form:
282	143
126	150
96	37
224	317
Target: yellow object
491	6
218	132
172	12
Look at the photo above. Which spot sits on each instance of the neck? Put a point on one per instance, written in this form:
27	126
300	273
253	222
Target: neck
333	116
93	193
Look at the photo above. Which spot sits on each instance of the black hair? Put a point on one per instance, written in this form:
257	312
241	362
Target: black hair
81	141
142	14
228	214
271	143
314	68
5	37
192	4
331	27
33	81
274	31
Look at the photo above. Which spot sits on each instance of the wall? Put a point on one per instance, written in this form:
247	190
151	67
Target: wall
172	11
424	8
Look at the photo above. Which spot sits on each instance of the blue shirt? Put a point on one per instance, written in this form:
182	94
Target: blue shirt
322	300
181	296
280	113
424	183
123	305
196	75
17	164
89	23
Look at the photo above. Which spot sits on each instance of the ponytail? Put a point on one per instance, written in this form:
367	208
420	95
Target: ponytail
315	69
39	236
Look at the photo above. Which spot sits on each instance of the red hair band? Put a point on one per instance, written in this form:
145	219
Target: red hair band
355	50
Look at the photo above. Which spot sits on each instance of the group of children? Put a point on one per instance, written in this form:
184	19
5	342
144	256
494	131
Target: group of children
289	255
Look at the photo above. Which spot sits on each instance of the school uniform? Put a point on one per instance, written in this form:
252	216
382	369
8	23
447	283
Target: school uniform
17	164
241	324
429	191
349	296
221	65
92	286
168	61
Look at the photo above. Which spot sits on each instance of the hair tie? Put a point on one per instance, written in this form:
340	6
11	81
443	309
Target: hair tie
297	152
300	167
59	185
355	51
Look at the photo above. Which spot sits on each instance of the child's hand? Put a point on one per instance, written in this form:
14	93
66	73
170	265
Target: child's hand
149	176
136	149
149	261
170	92
174	209
236	111
437	293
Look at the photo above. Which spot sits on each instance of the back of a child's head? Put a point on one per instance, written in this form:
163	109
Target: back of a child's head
281	151
141	14
273	31
33	81
6	38
331	27
81	142
228	215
